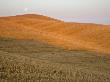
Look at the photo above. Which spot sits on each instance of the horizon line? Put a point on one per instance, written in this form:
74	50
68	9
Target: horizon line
63	19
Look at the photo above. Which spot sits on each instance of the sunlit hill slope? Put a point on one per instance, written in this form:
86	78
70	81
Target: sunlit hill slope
92	37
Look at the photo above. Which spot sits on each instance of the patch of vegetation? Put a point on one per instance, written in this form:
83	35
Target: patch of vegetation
29	61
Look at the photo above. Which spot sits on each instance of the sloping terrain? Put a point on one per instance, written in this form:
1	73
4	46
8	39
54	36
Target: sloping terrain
58	33
31	61
35	48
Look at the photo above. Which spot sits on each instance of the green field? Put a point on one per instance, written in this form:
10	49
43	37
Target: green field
30	61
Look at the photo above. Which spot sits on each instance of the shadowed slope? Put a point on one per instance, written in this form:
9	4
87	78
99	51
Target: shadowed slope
33	61
67	35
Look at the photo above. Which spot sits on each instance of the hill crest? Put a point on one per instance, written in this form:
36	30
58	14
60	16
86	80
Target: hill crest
57	33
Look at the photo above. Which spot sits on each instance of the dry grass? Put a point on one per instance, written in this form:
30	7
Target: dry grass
28	61
81	52
58	33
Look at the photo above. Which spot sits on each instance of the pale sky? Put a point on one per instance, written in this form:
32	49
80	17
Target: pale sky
94	11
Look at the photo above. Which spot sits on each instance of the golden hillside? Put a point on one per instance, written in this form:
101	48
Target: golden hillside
58	33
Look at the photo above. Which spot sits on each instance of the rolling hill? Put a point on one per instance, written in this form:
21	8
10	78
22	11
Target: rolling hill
92	37
35	48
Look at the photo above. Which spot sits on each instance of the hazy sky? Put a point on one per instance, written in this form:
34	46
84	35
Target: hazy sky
97	11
